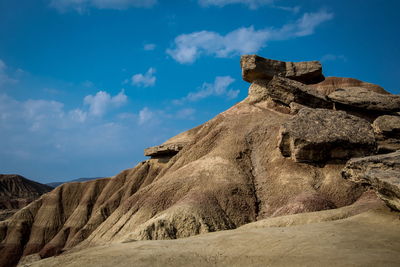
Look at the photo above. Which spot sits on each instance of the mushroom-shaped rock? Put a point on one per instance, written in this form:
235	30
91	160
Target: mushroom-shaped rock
381	172
164	150
317	135
255	67
362	98
387	132
286	91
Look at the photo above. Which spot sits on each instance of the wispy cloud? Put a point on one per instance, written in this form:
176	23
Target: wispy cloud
145	115
187	48
220	87
102	101
82	6
147	79
149	47
333	57
252	4
5	78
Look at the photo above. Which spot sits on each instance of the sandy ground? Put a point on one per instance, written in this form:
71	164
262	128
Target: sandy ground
371	238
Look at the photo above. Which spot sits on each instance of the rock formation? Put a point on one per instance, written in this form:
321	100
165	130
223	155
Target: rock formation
318	135
387	132
16	192
362	98
381	172
258	68
231	171
164	150
286	91
331	84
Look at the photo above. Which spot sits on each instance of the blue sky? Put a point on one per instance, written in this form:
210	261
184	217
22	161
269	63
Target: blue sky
86	85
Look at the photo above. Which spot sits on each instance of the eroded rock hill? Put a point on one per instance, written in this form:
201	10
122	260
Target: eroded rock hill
16	192
228	172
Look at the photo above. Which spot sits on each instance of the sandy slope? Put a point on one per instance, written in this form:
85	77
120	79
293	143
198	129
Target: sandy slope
371	237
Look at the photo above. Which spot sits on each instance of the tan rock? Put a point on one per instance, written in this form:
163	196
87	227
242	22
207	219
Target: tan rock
258	68
170	149
361	98
381	172
331	84
229	174
387	132
387	125
316	135
286	91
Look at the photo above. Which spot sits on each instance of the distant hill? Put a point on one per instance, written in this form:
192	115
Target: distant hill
55	184
16	192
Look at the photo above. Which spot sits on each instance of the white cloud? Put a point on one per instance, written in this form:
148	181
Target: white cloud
82	6
145	115
145	80
218	88
4	77
252	4
188	48
78	115
149	47
102	101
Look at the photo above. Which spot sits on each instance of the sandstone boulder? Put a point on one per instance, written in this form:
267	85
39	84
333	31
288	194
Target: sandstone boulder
255	67
381	172
316	135
330	84
286	91
387	132
387	125
164	150
362	98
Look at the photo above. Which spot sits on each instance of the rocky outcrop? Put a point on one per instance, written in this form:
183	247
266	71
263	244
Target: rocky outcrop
16	192
331	84
317	135
362	98
387	132
387	125
286	91
258	68
381	172
229	173
164	150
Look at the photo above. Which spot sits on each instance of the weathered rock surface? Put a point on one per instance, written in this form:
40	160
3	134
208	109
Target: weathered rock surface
387	125
16	192
331	84
316	135
295	107
258	68
164	150
286	91
381	172
387	132
229	174
362	98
